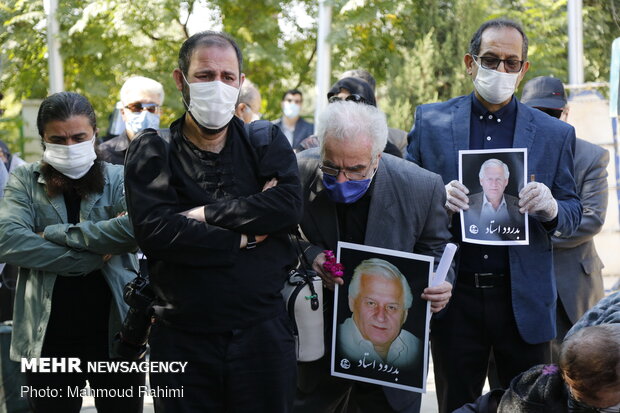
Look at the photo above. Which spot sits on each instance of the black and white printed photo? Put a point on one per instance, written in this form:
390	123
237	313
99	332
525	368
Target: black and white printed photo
380	321
494	179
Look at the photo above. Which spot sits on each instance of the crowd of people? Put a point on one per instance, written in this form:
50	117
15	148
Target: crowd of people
215	200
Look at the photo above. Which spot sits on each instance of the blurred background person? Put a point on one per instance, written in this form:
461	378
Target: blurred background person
141	100
358	91
249	104
578	268
397	136
8	163
294	127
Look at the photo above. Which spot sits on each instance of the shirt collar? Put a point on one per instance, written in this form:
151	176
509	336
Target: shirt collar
486	202
478	109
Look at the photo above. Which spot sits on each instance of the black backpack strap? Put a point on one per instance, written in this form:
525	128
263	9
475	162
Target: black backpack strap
260	135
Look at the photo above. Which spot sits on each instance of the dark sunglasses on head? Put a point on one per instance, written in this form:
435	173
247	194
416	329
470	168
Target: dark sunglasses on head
139	107
351	98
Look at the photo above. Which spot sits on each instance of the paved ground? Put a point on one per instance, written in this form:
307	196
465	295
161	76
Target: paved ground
429	401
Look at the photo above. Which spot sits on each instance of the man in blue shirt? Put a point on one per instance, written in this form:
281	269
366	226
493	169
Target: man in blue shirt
504	297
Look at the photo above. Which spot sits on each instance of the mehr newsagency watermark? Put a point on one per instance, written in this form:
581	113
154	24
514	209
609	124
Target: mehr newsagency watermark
74	365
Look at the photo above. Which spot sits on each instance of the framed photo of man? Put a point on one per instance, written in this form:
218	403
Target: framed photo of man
494	178
381	324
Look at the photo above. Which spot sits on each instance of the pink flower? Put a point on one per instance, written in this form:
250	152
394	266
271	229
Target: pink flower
330	265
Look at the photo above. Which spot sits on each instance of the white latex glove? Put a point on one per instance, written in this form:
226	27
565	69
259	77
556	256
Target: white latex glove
456	196
536	199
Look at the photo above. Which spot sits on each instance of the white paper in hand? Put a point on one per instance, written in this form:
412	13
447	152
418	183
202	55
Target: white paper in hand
444	264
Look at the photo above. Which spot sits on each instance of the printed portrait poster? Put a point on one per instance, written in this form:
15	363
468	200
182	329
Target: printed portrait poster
494	178
381	324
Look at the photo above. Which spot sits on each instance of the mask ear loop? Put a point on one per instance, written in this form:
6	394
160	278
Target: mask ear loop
183	97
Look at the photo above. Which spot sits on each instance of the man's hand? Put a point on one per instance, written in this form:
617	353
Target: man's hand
197	213
244	240
536	199
328	279
107	257
270	184
456	196
438	296
310	142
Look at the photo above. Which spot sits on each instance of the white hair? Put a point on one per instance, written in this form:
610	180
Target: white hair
381	268
491	162
136	84
349	120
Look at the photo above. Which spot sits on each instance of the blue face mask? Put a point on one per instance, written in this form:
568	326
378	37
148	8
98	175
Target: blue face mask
345	192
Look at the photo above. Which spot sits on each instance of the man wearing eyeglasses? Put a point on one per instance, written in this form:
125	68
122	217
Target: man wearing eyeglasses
505	296
141	98
355	193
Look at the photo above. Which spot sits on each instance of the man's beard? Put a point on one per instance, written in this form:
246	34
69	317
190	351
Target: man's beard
56	183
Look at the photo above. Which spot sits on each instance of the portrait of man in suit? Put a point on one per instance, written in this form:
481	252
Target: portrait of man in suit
379	299
493	214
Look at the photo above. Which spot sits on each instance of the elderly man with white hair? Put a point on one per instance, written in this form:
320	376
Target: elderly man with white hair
141	98
353	192
379	298
492	206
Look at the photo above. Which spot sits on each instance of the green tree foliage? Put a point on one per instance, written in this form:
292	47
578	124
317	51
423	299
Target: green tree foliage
413	48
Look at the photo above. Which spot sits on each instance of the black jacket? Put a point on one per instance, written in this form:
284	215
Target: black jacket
208	282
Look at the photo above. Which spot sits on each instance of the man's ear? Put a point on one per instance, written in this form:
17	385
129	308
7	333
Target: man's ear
469	61
240	109
351	304
177	75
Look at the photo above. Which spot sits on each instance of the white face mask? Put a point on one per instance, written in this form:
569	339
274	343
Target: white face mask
495	87
212	103
73	161
142	120
291	110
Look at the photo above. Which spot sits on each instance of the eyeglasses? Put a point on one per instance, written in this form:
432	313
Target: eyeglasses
351	98
575	406
138	107
350	175
489	62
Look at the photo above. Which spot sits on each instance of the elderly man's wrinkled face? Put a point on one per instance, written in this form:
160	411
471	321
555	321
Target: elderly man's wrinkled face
379	309
351	157
494	182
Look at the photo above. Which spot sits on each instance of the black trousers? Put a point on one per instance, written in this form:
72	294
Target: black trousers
563	324
64	402
249	370
478	321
